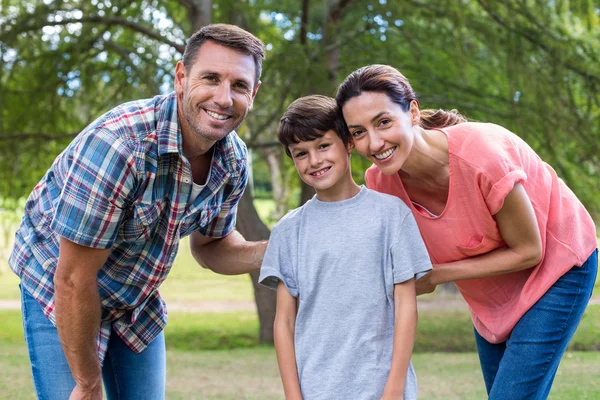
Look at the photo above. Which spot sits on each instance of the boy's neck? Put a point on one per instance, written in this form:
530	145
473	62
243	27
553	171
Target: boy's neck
345	189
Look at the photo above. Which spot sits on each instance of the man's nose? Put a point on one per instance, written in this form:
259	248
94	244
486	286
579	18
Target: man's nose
222	95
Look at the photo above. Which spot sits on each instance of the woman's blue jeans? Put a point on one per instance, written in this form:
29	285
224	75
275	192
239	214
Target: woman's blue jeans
524	366
126	375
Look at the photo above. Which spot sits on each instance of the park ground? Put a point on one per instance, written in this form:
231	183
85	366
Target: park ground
212	349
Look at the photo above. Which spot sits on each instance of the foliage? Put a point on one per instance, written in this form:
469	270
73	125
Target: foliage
531	66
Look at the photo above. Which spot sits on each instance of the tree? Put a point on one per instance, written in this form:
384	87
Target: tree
530	65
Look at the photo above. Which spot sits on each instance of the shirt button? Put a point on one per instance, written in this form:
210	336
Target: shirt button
186	180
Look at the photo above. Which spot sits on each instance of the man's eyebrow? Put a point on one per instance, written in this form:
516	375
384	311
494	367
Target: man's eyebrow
372	120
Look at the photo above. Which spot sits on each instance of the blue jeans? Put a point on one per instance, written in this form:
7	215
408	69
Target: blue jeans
126	375
524	366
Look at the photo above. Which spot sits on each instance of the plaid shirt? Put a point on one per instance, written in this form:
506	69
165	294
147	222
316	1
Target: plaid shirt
123	183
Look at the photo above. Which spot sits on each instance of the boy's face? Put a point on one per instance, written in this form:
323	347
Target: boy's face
324	164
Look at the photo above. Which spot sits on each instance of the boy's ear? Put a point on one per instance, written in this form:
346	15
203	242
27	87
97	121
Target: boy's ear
350	146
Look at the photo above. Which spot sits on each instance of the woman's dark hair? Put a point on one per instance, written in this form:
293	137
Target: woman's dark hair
388	80
226	35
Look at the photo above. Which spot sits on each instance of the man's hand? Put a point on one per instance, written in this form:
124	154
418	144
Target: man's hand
94	393
424	284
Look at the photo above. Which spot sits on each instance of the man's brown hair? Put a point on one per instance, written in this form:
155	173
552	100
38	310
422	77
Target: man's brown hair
226	35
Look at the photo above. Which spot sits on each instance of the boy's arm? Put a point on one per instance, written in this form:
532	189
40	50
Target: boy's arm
405	326
284	328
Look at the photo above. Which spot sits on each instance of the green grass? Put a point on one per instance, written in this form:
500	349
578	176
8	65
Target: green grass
437	331
252	374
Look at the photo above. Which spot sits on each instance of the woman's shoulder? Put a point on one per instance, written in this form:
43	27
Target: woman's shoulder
480	142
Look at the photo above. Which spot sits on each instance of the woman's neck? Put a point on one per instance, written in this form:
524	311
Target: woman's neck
428	159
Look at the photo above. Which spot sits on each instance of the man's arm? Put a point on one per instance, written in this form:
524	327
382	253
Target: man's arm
283	329
405	326
231	255
78	314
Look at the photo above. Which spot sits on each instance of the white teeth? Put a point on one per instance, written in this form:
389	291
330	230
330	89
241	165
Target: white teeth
217	116
385	154
321	172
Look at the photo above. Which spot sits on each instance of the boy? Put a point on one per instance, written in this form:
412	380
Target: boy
344	266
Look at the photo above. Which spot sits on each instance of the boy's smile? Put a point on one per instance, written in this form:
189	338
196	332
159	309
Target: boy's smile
324	164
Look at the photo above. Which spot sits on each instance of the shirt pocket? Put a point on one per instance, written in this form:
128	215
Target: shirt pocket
478	244
141	224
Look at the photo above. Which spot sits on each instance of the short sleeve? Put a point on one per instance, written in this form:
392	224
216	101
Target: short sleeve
498	156
100	175
500	189
224	222
408	254
278	263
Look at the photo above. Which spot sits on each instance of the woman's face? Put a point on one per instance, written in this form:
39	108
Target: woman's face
381	130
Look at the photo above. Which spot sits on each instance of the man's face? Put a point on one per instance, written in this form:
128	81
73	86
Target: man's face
217	91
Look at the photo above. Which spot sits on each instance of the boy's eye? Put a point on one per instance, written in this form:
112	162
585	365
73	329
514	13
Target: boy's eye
299	154
324	145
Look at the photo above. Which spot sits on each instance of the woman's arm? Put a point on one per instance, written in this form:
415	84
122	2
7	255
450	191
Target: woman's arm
284	328
519	229
405	326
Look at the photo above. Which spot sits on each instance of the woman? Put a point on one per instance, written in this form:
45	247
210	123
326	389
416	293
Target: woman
496	220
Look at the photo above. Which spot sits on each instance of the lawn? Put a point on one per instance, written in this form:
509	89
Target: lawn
252	374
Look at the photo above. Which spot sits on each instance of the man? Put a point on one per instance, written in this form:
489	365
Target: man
102	227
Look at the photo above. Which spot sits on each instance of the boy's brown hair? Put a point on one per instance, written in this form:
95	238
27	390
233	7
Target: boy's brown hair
309	118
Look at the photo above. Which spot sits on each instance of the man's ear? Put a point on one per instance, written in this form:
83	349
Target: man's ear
180	77
254	91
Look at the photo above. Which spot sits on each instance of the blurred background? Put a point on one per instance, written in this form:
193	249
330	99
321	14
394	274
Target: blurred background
530	65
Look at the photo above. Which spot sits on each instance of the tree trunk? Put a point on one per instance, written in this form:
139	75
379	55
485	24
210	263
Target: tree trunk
250	225
200	14
280	191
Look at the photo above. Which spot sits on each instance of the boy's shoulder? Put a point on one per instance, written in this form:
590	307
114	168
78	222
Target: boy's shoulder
290	219
386	202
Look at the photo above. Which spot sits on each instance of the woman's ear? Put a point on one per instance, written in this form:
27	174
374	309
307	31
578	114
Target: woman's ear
415	113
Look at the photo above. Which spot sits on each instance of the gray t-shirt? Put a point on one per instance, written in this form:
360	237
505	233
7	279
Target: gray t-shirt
341	260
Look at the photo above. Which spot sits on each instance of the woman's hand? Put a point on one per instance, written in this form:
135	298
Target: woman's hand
425	284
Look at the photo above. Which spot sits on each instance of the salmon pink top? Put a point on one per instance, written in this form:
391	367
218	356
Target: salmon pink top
485	162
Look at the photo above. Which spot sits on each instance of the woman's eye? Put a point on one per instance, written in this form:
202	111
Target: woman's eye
384	122
356	133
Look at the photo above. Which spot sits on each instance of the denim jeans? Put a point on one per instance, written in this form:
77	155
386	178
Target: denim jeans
524	366
126	375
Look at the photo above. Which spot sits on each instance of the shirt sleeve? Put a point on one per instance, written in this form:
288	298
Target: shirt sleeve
278	263
224	222
498	156
100	175
408	253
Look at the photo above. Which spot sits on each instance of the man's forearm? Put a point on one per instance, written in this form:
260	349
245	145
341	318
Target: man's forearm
78	321
231	255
